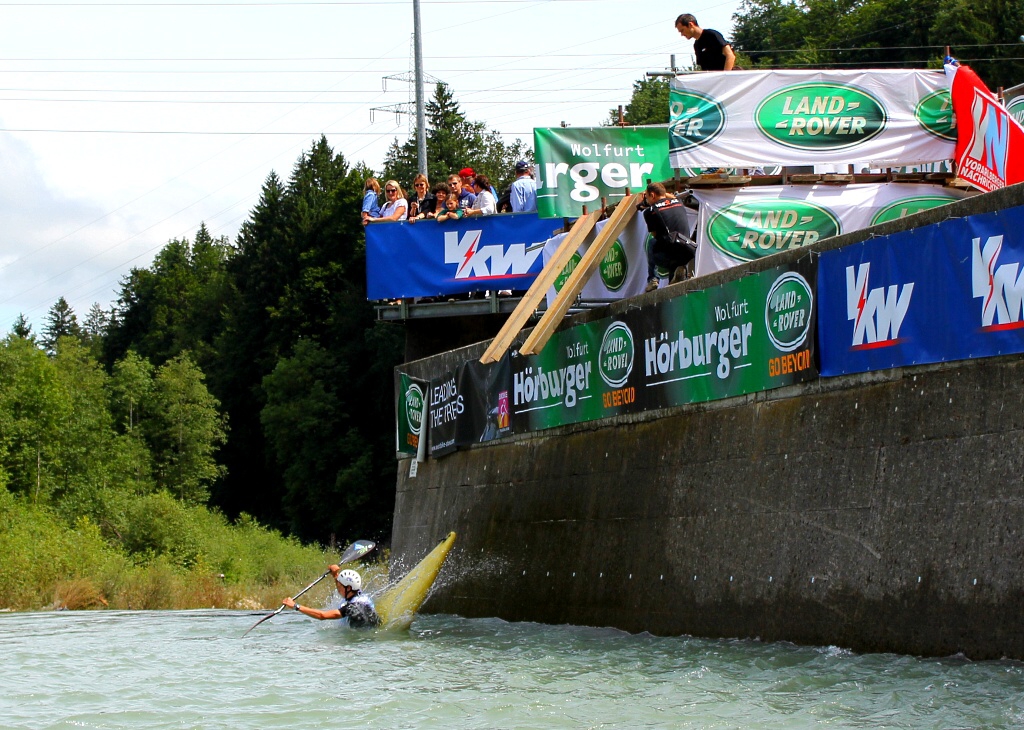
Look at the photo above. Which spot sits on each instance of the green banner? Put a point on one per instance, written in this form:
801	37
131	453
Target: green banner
745	336
410	395
579	166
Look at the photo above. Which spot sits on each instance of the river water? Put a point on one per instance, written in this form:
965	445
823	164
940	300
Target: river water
191	669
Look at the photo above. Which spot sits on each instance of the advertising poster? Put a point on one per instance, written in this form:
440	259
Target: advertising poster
748	335
801	117
990	142
410	397
1013	98
468	405
621	274
736	226
427	258
578	166
949	291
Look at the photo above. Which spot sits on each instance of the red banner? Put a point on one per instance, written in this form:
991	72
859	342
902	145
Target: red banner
990	142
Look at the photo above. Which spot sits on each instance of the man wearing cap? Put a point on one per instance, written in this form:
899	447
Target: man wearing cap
523	195
356	609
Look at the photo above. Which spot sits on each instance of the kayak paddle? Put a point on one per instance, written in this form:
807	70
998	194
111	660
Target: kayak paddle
356	551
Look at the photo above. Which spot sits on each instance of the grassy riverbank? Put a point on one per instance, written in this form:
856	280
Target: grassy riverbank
162	554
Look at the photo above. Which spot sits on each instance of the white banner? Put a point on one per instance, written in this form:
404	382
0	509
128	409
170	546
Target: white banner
622	273
739	225
749	118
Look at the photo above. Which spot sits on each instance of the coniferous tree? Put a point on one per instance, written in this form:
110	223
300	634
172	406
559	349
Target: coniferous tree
61	321
455	142
21	328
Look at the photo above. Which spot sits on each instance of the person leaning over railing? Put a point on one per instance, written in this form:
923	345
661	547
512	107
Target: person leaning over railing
484	203
421	201
371	199
439	195
395	207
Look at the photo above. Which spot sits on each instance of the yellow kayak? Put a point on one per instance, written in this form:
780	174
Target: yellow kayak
398	604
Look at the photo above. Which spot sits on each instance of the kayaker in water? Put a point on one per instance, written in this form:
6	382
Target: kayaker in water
356	606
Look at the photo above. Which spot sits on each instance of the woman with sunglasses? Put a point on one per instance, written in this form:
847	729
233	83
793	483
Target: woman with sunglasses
421	202
395	207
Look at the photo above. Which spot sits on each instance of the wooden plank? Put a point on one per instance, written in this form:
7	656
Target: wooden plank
544	281
574	285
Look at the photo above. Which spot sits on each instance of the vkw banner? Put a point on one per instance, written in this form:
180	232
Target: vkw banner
428	258
579	166
740	225
469	405
990	142
748	335
795	117
410	397
622	272
949	291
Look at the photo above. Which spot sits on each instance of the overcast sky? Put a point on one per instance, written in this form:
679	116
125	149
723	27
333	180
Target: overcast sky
123	125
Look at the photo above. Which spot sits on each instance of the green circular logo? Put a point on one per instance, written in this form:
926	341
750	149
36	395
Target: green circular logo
614	267
694	119
414	408
616	359
754	229
935	115
820	117
1016	108
787	312
908	206
567	271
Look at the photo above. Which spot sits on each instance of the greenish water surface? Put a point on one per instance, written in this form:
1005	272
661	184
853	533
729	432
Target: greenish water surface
191	669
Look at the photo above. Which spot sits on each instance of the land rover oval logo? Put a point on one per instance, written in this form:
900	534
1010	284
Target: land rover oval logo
753	229
614	267
787	311
616	358
567	271
694	119
1015	107
935	115
908	206
820	117
414	408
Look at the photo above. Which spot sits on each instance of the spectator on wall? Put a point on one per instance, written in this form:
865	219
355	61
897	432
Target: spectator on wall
440	195
395	207
465	197
485	203
713	52
523	194
672	247
371	199
452	211
421	201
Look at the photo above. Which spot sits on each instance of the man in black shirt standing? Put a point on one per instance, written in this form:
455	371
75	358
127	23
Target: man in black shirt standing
712	50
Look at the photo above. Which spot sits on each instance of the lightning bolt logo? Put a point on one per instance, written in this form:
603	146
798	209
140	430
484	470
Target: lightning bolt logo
469	253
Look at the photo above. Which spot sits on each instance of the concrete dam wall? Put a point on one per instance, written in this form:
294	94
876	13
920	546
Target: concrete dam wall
879	512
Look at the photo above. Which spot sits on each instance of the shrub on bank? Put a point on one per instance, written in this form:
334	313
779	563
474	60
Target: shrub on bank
161	553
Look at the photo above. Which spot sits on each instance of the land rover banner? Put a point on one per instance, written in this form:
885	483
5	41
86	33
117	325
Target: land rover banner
578	166
748	335
1014	100
621	274
410	395
796	117
740	225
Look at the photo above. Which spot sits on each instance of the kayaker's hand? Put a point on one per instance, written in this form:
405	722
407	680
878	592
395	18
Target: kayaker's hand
289	602
335	569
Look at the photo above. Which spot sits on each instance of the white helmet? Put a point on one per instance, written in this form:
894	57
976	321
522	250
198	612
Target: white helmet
351	579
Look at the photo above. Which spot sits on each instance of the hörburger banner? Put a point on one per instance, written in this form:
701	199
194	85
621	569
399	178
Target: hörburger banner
578	166
622	272
744	336
410	395
795	117
739	225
